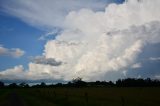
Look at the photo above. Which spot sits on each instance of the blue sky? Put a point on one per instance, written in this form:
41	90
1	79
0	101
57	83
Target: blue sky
17	34
23	24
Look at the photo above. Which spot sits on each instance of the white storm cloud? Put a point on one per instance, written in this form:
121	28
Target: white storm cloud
94	43
92	58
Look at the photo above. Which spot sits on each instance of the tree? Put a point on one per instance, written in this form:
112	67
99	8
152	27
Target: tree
59	85
119	82
110	83
13	85
43	84
23	84
1	84
78	82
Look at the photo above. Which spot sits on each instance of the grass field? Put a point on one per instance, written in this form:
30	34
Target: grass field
99	96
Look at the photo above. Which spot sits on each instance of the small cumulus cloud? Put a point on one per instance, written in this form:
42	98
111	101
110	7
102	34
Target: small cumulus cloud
154	58
124	73
13	52
136	65
157	76
13	73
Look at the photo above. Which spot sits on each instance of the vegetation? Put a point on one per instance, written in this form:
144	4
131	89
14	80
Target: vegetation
125	92
78	82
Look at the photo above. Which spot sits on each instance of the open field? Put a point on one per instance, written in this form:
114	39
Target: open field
89	96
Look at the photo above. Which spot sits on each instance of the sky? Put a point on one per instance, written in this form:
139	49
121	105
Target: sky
59	40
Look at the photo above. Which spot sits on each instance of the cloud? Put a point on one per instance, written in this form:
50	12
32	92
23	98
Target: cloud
95	43
157	76
13	52
136	65
16	52
93	58
48	13
2	50
46	61
14	73
154	58
50	35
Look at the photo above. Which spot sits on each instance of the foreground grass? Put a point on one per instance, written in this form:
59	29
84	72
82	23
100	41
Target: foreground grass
3	97
87	96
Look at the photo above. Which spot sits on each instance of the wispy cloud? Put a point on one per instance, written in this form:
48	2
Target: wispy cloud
50	35
13	52
48	13
154	58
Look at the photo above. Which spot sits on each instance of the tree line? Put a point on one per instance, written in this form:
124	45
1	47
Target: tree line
78	82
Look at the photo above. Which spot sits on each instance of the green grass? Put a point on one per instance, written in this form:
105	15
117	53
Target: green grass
142	96
3	97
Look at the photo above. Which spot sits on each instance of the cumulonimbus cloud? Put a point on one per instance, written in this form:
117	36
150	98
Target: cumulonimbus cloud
93	44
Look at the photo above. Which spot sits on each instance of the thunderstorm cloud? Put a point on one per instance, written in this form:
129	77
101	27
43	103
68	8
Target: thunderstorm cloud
93	44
